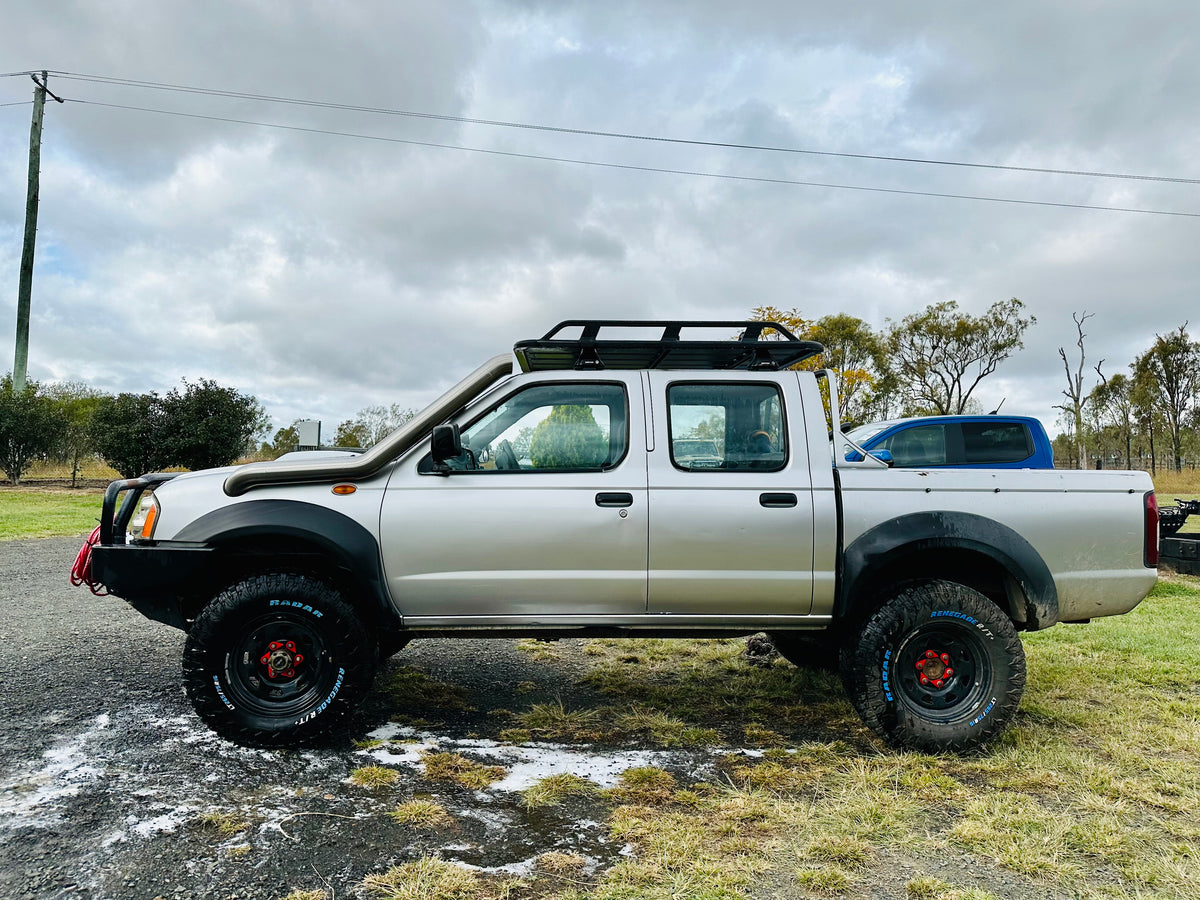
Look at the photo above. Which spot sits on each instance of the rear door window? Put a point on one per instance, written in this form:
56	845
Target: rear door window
1002	442
727	426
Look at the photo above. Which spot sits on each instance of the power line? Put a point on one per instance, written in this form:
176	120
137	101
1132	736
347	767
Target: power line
17	103
267	98
633	168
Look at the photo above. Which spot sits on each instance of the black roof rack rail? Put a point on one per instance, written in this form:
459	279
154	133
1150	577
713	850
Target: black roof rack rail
750	350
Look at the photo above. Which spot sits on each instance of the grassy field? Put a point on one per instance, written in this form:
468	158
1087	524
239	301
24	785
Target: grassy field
47	512
1092	793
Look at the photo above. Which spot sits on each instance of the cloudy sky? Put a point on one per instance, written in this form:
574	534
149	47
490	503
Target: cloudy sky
327	258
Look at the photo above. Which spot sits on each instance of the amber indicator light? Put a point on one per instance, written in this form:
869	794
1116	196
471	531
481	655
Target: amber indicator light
343	489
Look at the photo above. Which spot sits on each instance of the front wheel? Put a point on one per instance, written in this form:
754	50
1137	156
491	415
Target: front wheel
277	660
939	667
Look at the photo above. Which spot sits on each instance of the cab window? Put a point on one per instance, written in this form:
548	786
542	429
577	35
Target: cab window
546	428
726	427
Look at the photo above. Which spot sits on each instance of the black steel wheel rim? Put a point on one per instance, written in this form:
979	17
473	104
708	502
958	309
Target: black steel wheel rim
943	646
255	671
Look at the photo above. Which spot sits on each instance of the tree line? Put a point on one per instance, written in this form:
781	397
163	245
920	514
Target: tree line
368	427
1148	414
198	425
927	363
931	362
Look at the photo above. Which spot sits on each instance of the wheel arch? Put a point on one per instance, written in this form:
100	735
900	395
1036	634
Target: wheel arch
954	546
277	535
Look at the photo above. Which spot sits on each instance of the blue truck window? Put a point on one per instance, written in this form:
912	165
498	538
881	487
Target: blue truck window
1001	442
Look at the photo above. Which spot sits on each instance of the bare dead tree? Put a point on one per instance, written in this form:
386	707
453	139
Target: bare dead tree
1074	391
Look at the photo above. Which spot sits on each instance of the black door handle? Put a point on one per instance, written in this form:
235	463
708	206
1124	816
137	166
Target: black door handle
777	501
614	499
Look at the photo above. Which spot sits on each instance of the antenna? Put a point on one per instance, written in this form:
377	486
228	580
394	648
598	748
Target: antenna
997	409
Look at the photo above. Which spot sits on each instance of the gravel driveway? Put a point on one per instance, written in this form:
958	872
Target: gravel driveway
110	787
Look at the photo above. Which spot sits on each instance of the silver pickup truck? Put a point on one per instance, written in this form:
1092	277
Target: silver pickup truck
545	495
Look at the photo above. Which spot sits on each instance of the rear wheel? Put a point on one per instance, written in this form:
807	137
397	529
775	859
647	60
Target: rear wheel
277	660
938	667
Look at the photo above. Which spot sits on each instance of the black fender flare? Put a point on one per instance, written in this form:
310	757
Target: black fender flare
338	537
918	533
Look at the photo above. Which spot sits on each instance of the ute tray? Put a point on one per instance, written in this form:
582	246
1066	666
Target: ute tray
668	350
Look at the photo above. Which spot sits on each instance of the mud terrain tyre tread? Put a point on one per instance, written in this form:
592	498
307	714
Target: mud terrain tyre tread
229	687
881	675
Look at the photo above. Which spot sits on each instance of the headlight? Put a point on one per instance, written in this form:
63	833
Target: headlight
142	524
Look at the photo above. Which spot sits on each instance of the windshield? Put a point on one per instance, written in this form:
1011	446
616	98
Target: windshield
866	432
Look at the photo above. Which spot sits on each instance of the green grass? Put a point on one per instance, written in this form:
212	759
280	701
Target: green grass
422	813
34	513
374	777
224	824
460	770
554	789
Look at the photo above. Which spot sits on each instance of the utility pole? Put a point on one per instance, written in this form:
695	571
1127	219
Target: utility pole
25	285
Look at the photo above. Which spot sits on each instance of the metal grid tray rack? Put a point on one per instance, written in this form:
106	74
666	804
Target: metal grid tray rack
577	344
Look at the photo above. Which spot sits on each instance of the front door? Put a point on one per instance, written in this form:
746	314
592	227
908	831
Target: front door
543	518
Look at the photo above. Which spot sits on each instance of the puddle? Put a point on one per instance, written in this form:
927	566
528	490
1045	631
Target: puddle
529	763
36	797
509	836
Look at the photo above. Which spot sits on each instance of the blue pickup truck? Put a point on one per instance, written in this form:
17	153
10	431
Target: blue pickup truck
972	442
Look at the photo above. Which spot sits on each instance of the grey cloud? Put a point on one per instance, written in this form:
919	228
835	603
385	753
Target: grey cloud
324	273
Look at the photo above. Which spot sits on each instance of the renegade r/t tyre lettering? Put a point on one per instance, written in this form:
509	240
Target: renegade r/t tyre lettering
277	660
939	667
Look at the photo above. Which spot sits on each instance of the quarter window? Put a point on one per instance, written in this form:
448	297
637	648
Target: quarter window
727	427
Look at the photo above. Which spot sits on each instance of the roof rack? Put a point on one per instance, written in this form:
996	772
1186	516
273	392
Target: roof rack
750	350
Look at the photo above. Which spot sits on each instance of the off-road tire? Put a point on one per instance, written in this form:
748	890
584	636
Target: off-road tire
236	668
966	633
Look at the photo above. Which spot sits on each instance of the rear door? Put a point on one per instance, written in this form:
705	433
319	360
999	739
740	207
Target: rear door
730	534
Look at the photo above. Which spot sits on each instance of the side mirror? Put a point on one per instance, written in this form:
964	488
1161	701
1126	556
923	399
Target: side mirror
446	443
884	456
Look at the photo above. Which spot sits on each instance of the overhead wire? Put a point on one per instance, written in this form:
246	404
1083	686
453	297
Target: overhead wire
592	132
636	168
